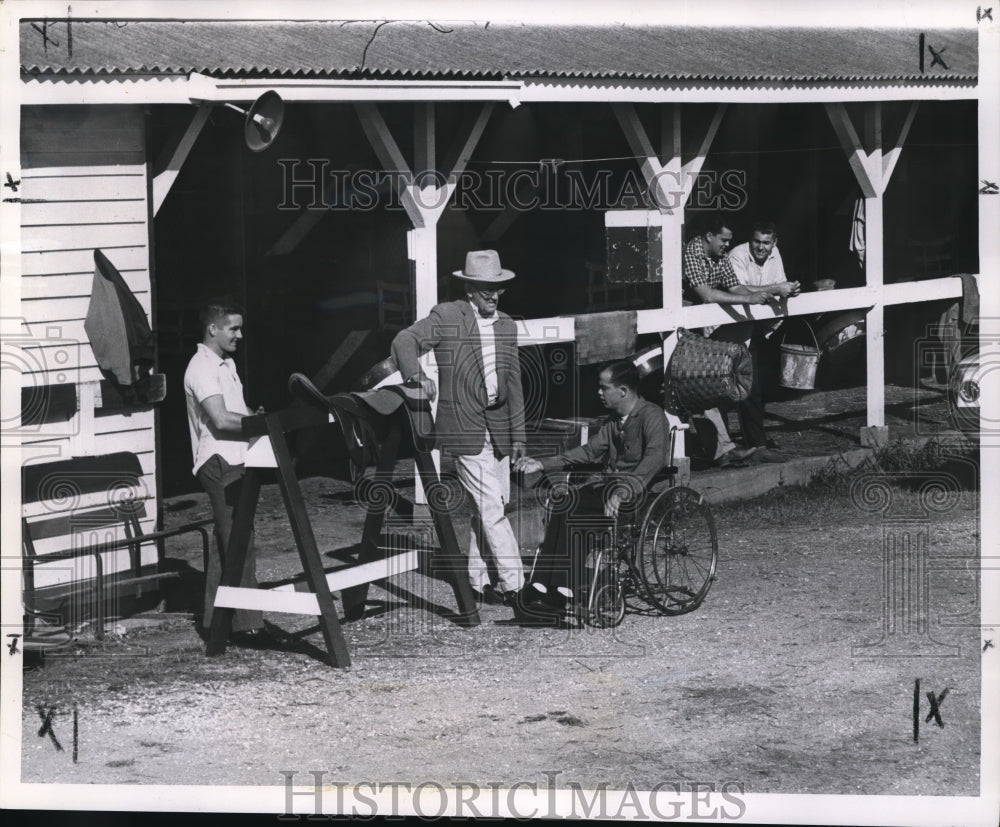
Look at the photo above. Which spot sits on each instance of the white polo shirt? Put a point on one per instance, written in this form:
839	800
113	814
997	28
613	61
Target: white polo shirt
752	274
210	375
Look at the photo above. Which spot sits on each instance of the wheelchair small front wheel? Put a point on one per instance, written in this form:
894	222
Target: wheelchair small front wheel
607	605
678	551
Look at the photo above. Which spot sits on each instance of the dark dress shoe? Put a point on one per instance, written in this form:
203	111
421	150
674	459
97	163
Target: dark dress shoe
529	595
530	609
736	458
509	598
553	602
489	596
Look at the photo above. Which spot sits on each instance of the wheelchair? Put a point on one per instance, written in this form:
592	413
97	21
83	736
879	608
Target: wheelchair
659	558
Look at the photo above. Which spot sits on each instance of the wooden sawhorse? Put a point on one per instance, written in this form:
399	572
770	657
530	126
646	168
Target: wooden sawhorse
372	565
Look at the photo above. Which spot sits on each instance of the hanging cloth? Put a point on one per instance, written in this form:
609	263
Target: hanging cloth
857	242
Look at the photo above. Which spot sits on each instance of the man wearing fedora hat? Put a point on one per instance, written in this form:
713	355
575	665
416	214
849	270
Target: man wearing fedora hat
480	412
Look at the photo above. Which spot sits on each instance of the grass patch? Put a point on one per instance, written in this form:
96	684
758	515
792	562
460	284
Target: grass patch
826	498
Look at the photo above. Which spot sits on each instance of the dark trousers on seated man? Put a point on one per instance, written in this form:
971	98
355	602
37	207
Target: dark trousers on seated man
577	528
223	483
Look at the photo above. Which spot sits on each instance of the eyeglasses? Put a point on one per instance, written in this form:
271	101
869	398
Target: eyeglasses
487	292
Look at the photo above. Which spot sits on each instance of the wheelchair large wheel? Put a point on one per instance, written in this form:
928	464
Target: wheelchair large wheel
678	551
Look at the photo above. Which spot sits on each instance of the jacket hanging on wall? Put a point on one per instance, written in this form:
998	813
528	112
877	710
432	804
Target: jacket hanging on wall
120	335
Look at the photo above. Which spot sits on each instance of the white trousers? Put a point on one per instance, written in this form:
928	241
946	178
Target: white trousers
739	333
487	480
723	442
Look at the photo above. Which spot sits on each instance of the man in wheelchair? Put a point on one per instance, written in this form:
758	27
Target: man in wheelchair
630	449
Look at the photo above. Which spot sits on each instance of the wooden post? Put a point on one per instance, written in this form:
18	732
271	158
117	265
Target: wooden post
871	171
875	434
424	203
670	184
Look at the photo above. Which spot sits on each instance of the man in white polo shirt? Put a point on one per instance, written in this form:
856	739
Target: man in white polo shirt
215	410
757	264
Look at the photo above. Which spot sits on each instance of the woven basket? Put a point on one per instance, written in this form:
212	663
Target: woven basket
704	373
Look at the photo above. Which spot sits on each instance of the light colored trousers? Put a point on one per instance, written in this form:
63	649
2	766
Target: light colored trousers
487	480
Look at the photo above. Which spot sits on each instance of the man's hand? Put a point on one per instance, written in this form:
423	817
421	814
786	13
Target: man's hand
527	465
784	289
757	297
427	384
518	450
613	504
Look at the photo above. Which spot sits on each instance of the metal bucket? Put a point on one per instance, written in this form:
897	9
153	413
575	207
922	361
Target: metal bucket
799	363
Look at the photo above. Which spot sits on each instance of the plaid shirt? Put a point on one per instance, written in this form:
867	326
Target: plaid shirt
702	269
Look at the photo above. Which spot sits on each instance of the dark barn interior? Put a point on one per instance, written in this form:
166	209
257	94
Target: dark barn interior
536	189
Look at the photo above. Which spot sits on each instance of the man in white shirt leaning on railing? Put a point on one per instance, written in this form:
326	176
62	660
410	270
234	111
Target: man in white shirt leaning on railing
758	265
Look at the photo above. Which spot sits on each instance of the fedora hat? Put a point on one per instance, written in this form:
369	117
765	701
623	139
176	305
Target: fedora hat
483	266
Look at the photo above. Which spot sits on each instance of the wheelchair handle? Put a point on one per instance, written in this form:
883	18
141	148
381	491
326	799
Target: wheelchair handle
673	439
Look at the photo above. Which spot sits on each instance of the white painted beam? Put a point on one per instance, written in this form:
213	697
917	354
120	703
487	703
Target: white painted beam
424	149
461	151
892	156
652	91
164	179
658	177
43	90
286	600
385	146
692	168
546	331
874	270
851	144
825	301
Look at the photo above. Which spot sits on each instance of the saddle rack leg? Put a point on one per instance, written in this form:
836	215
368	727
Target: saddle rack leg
305	540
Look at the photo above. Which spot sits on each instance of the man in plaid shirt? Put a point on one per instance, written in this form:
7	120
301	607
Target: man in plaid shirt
709	278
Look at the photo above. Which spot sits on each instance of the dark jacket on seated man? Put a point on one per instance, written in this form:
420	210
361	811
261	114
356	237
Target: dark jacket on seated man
633	451
631	448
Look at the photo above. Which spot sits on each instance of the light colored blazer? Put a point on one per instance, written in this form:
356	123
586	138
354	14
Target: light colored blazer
463	416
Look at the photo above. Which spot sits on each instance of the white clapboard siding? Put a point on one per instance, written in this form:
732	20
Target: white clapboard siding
62	262
126	421
39	311
46	214
69	357
44	287
107	237
67	334
80	372
85	186
126	183
135	442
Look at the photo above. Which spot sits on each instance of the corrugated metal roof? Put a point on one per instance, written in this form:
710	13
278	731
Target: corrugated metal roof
422	49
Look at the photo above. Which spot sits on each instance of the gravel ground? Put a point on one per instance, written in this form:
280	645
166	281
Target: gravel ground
762	685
